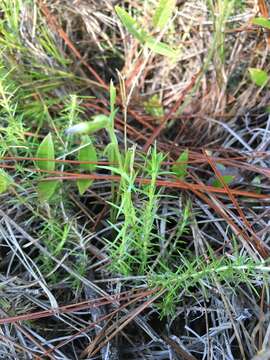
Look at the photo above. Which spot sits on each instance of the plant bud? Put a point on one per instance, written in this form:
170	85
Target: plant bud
88	127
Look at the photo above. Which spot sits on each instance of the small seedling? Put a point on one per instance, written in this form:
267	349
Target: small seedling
258	76
154	107
180	168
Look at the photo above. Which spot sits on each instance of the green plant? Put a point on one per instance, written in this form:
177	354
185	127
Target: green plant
261	21
86	153
5	181
131	233
154	107
136	244
227	179
258	76
163	13
180	167
220	11
12	126
200	273
55	236
161	18
132	251
45	153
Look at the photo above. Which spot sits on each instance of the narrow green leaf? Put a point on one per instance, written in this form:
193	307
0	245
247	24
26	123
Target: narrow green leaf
110	152
163	13
258	76
46	151
227	179
131	24
112	96
261	21
46	189
143	36
5	181
129	160
180	170
87	153
160	48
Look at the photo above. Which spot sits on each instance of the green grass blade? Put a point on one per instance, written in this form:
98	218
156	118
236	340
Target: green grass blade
163	13
261	21
112	96
131	24
142	36
161	48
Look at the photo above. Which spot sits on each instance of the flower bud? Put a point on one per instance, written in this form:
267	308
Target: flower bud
88	127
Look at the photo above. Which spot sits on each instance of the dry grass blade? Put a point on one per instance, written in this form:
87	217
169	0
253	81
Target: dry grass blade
113	330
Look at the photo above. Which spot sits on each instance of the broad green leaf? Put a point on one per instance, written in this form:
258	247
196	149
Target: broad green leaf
163	13
46	189
227	179
86	153
5	181
259	77
46	151
261	21
180	169
131	24
83	185
153	106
